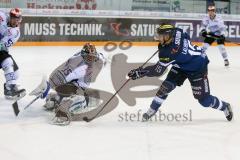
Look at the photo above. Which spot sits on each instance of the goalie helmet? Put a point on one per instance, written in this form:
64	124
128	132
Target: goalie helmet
89	53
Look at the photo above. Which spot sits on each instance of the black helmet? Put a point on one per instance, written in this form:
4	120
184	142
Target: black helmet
165	29
89	53
161	31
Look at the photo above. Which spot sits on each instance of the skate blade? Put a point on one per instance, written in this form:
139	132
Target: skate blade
17	97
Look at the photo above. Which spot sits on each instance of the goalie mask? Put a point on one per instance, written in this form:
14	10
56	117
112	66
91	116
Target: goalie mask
15	15
164	34
89	53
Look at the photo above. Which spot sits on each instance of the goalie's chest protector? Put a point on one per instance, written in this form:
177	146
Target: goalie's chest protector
75	64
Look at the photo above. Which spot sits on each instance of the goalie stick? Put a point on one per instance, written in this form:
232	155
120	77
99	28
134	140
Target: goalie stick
86	119
16	108
36	92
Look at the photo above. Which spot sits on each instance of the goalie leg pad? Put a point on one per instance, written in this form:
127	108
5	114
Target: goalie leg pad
78	104
68	107
52	100
72	104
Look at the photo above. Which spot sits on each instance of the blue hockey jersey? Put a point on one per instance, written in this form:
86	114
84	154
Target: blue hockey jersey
182	54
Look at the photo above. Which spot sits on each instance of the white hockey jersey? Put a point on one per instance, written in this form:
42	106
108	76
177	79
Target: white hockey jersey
8	35
76	70
215	25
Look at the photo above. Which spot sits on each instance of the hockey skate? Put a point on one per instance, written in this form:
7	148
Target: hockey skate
12	92
226	62
146	116
228	112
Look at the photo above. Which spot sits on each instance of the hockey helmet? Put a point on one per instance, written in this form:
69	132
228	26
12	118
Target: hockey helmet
165	29
15	13
162	30
89	53
15	17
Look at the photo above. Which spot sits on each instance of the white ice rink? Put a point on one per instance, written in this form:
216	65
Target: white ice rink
207	136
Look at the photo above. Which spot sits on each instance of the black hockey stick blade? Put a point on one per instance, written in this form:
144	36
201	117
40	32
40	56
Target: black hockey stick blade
15	108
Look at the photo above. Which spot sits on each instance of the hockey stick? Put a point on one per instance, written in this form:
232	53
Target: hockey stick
16	108
218	37
86	119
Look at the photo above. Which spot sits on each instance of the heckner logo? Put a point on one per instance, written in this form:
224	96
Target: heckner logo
186	27
119	31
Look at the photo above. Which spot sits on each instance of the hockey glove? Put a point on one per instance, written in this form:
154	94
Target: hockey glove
222	38
204	33
137	73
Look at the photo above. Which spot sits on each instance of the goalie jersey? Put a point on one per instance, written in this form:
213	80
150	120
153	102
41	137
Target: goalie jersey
76	70
8	35
182	54
215	25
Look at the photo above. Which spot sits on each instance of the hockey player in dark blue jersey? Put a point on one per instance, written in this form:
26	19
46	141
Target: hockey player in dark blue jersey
188	62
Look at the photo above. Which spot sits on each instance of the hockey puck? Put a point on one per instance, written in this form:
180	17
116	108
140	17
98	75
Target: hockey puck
86	119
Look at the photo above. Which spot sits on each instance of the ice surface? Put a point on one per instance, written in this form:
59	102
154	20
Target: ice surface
207	136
